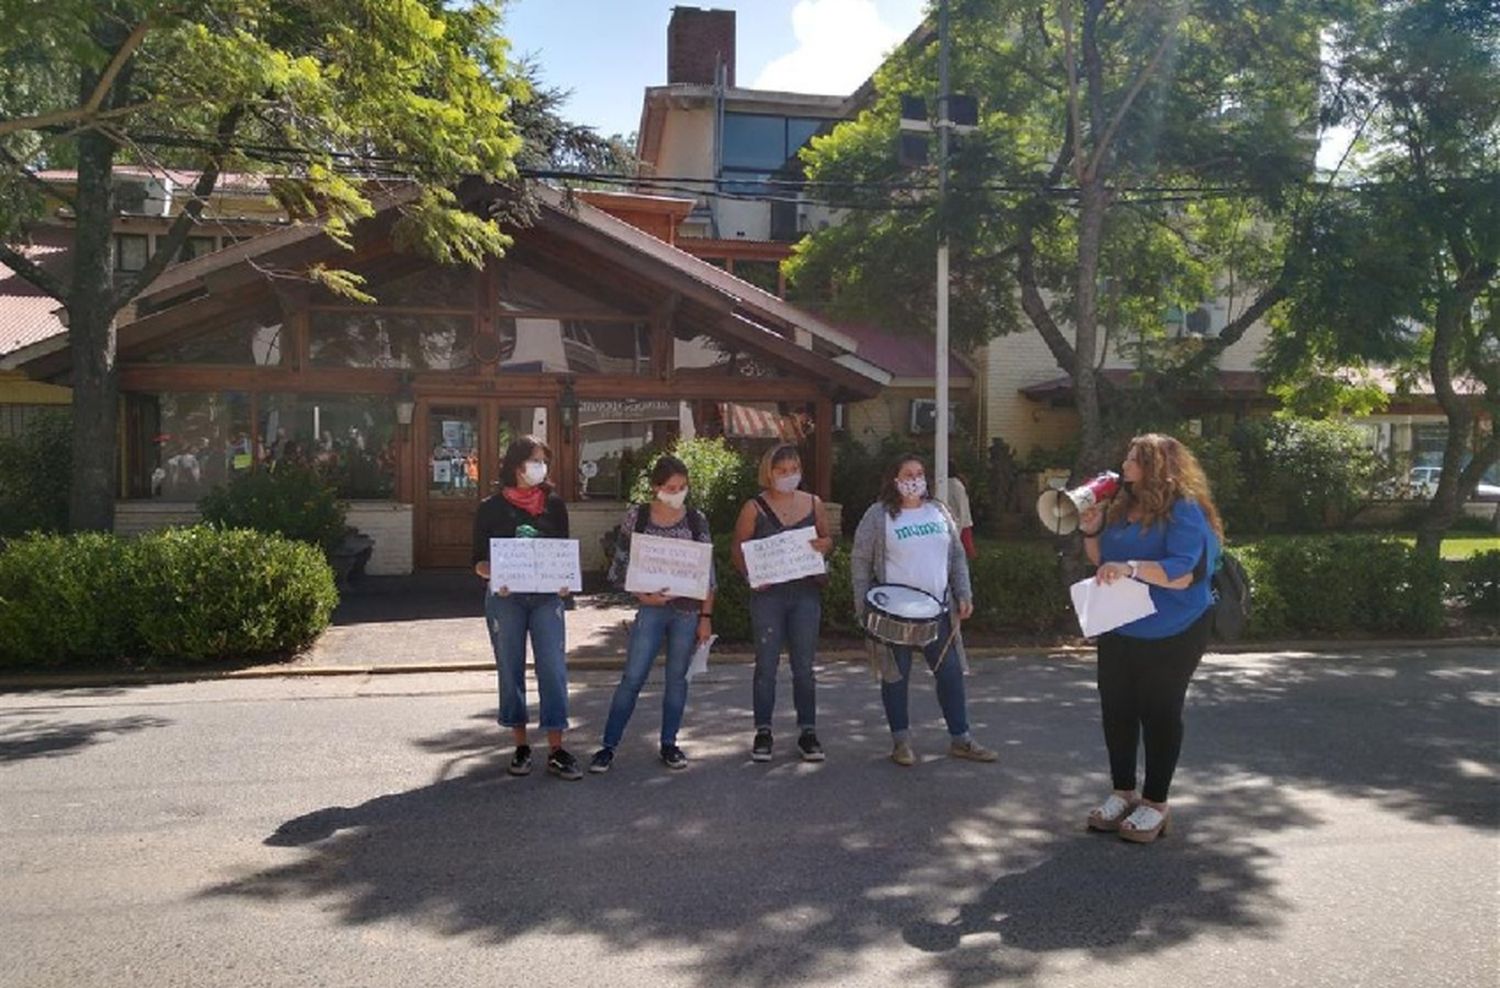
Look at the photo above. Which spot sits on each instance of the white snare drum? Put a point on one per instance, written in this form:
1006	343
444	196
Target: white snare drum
899	615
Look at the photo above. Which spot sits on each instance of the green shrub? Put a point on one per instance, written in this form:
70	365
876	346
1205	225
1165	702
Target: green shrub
292	501
187	595
67	599
1337	584
1479	583
1017	585
720	480
1303	475
34	476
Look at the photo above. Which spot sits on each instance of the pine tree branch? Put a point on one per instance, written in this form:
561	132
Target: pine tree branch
33	272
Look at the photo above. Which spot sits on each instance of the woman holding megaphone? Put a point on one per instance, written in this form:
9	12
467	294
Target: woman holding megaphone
1160	529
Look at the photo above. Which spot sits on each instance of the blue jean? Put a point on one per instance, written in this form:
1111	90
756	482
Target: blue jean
788	614
653	625
950	684
509	620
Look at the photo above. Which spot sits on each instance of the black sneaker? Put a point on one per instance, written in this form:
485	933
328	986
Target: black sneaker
808	745
563	765
760	750
672	757
520	762
602	760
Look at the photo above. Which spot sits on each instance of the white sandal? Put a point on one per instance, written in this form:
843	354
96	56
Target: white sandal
1144	824
1106	816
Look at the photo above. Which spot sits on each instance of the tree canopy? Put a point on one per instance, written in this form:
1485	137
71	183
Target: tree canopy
333	100
1130	158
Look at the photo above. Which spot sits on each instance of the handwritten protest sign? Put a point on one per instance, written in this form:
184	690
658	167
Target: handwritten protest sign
534	565
783	557
675	567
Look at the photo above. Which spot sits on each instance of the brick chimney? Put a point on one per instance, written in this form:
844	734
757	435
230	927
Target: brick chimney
697	40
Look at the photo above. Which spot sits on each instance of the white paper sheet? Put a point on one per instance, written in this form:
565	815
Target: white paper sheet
1104	607
675	567
699	662
534	565
783	557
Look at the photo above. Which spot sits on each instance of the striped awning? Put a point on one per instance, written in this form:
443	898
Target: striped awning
761	421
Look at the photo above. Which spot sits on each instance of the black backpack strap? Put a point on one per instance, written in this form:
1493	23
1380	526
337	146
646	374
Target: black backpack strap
765	509
642	517
697	524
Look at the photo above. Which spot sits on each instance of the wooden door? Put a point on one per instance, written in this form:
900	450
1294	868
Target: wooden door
460	446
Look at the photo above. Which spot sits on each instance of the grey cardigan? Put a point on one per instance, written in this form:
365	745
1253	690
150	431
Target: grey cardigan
867	558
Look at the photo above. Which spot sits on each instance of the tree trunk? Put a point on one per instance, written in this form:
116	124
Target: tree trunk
91	341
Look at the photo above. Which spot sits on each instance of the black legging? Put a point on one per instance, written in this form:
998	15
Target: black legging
1142	685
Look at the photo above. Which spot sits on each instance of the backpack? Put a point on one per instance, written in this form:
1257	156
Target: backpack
1230	587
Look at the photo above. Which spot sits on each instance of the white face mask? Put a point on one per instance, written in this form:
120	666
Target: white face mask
672	500
535	472
912	487
788	483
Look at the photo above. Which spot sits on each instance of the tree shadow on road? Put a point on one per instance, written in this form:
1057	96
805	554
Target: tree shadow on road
794	873
33	738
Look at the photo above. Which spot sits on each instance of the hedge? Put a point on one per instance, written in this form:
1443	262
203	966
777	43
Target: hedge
1478	585
190	595
1341	584
1016	587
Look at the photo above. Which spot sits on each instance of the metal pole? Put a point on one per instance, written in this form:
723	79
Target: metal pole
940	453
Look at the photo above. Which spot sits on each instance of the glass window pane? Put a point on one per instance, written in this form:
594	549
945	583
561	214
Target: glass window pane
204	440
349	439
131	251
239	342
754	141
616	440
453	457
361	338
442	286
798	131
536	346
709	356
195	247
524	289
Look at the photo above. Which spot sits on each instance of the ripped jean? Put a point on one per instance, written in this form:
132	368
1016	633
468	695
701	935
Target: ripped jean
509	620
789	615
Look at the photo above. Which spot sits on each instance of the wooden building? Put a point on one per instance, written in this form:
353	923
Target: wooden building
590	332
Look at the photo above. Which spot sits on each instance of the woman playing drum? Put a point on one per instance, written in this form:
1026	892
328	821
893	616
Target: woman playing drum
907	541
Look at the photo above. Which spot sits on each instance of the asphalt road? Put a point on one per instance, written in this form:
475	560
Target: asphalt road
1337	821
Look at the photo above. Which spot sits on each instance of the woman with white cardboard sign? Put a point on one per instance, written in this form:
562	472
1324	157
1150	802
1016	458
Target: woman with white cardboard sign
681	622
788	613
527	508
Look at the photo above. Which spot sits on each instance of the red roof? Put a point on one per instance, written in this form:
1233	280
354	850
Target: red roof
910	354
26	313
246	182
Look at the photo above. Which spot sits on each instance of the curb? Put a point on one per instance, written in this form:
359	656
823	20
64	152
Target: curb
83	680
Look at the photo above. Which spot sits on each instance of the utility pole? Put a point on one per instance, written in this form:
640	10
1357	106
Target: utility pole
944	124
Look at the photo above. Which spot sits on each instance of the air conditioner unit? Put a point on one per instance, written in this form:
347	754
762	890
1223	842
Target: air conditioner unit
144	195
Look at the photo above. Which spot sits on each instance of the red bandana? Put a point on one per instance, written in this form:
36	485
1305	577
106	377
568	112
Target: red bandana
532	500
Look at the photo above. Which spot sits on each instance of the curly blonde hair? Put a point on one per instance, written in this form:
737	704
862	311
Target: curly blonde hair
1169	471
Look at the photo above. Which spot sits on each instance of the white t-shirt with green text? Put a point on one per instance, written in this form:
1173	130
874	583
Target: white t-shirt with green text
916	549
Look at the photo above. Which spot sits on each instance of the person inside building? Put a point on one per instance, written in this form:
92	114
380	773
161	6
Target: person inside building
1163	530
526	507
784	615
908	538
681	623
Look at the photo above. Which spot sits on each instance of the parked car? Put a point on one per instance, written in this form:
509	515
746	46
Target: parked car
1422	482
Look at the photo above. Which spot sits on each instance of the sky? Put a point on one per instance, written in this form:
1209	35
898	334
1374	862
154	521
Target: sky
608	51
